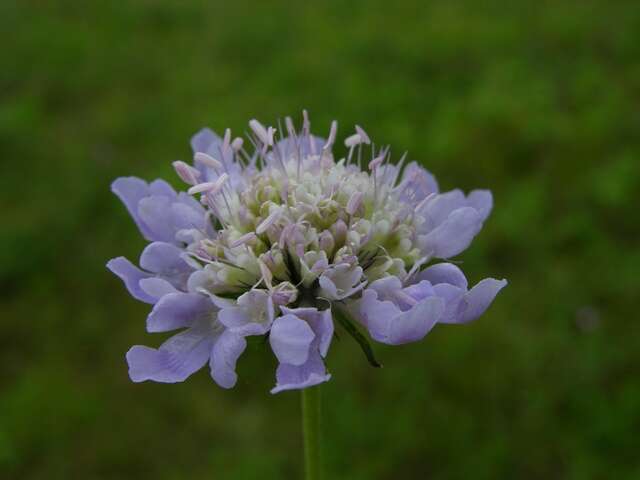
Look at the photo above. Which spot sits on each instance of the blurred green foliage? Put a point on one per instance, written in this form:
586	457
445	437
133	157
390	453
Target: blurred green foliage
539	101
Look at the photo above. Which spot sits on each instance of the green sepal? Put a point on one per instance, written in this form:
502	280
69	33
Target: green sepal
352	330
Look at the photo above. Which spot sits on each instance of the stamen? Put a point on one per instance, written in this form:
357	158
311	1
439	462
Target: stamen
209	187
267	222
354	203
260	131
375	163
416	266
224	197
249	160
257	151
424	202
237	143
244	239
284	235
405	297
373	166
223	155
270	135
226	141
280	130
207	160
290	128
387	161
306	124
201	187
276	149
187	173
267	276
363	135
332	136
210	201
306	129
220	181
353	140
236	146
398	168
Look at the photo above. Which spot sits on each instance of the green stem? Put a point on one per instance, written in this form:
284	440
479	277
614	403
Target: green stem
311	432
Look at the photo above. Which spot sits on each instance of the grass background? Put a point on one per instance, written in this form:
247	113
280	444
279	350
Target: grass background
538	101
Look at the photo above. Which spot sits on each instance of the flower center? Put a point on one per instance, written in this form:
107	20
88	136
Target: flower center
291	214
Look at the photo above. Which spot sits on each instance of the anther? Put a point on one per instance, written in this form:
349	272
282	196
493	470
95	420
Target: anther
187	173
207	160
260	131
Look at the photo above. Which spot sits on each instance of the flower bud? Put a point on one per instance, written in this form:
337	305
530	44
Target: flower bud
326	242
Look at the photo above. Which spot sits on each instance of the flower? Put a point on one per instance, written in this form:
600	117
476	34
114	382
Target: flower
281	240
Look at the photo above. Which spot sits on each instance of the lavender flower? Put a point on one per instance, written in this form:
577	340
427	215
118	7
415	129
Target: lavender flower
280	241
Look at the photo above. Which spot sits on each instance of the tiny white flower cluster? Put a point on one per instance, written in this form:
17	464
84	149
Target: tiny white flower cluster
344	226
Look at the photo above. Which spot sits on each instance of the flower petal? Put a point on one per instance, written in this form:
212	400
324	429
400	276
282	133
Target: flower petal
153	212
454	234
414	324
418	292
417	183
291	377
238	321
478	299
385	286
320	321
178	310
377	315
224	355
177	358
186	214
160	187
130	190
324	330
253	314
290	339
166	260
438	207
452	297
341	281
205	141
388	324
482	201
156	287
131	276
443	273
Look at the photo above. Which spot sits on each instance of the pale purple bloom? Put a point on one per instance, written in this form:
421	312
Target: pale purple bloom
281	240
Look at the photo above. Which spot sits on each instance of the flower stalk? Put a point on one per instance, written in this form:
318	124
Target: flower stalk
311	432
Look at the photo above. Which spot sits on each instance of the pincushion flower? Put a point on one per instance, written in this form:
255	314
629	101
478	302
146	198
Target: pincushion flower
281	240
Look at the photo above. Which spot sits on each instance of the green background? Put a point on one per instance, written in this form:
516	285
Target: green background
539	101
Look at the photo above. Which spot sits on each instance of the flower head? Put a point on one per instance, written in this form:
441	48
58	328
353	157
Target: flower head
279	241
